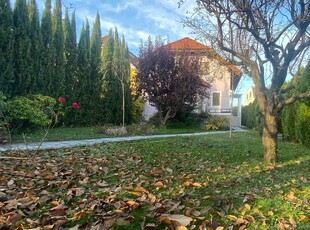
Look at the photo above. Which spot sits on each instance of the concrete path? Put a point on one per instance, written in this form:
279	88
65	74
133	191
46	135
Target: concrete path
73	143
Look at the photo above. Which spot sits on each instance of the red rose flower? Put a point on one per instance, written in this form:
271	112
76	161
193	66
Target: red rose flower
61	100
8	124
75	105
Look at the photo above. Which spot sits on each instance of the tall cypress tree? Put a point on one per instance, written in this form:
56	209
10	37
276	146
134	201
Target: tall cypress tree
125	72
6	49
36	48
107	93
22	47
58	80
83	73
47	54
70	55
95	64
115	69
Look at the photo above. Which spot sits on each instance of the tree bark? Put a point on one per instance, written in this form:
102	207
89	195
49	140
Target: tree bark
269	136
123	102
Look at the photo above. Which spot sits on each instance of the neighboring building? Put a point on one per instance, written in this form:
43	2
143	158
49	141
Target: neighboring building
250	97
224	79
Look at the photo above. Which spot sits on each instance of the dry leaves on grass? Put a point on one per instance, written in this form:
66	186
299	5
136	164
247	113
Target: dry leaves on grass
79	189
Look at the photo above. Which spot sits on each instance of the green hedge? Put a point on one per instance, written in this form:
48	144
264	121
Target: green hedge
295	121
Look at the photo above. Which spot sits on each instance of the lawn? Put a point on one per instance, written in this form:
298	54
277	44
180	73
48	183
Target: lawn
205	182
91	132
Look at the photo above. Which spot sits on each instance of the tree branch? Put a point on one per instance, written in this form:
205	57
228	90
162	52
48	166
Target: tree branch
293	99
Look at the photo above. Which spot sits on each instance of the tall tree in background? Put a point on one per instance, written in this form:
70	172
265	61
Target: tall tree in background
47	55
70	56
116	73
106	69
267	38
169	80
36	48
95	65
57	86
22	49
6	48
83	72
121	68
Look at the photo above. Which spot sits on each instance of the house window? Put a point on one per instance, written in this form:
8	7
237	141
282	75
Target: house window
216	99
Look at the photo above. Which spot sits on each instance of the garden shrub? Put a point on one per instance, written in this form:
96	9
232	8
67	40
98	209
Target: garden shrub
295	121
136	109
4	125
192	119
155	120
32	112
215	122
140	129
113	130
249	116
303	124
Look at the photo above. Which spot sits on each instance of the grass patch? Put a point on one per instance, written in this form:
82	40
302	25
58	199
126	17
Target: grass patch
60	133
80	133
215	180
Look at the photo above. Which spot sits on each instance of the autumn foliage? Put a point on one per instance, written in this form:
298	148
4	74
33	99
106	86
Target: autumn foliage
169	79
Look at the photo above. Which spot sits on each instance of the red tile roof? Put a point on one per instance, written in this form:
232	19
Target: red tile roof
201	49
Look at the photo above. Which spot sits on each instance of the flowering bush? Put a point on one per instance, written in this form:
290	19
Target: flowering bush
61	99
30	112
36	111
75	105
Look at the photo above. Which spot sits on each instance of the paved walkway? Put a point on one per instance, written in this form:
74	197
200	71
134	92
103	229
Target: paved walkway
73	143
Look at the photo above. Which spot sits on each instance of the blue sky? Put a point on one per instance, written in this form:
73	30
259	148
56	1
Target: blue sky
136	19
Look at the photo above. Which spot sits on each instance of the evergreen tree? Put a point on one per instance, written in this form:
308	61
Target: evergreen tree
6	49
70	56
47	49
36	48
22	49
95	63
83	73
106	70
116	72
58	78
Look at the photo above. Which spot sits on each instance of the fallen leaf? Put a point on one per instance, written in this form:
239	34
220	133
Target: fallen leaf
136	194
55	203
303	218
292	222
152	198
197	185
250	218
131	203
58	210
10	183
181	219
159	184
219	228
102	183
232	217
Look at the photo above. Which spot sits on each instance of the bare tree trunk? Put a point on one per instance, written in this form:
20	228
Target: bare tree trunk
269	137
165	118
123	91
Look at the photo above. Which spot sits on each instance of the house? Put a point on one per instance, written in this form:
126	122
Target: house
250	97
223	76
